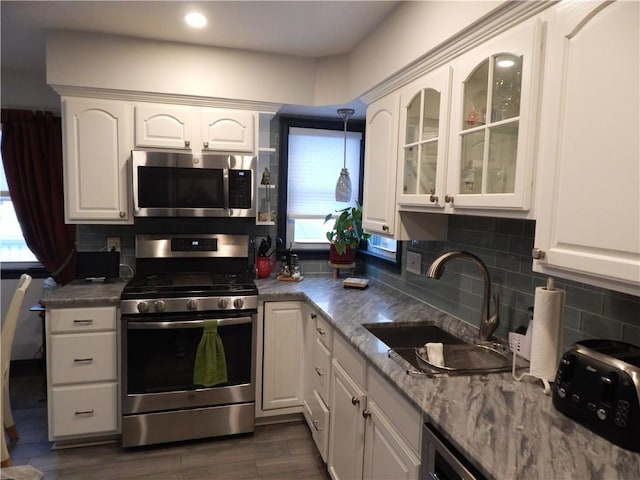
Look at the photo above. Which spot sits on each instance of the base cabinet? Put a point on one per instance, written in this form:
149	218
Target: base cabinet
283	356
83	384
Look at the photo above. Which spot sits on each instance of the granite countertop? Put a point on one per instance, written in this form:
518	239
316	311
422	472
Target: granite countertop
80	293
508	429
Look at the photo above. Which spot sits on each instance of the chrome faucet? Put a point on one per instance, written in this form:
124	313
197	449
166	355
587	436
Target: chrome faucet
488	323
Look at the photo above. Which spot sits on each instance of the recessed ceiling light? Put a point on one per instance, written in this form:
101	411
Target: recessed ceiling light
195	20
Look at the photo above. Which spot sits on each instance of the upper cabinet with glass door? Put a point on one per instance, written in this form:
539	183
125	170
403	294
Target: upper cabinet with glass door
493	122
423	141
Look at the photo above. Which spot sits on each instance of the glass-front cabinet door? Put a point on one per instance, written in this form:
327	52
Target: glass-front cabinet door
423	141
494	105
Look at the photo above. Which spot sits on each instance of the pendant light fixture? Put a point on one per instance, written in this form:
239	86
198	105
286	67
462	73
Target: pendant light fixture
343	186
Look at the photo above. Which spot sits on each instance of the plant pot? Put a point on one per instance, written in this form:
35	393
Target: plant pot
348	256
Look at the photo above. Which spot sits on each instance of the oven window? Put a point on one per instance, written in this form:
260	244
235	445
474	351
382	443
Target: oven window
162	360
173	187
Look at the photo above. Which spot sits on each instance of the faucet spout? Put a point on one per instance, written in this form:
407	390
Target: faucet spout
488	323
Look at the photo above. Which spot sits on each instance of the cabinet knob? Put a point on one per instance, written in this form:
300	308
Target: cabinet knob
320	331
433	198
205	144
448	198
187	143
385	228
314	316
122	214
319	372
366	414
537	254
355	401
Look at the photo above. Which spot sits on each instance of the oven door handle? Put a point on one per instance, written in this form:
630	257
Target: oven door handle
224	322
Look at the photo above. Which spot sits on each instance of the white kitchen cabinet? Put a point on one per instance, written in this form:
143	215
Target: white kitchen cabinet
319	340
374	433
165	126
380	215
283	357
379	192
97	142
83	382
346	431
194	128
588	211
493	122
424	126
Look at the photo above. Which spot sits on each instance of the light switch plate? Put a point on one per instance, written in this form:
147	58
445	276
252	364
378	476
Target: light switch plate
414	262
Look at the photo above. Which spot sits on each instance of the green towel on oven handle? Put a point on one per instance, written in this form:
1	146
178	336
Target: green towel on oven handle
210	366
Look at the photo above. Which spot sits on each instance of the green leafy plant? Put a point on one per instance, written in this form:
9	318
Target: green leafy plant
347	229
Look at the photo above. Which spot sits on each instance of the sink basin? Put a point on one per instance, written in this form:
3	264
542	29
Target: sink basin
409	334
407	340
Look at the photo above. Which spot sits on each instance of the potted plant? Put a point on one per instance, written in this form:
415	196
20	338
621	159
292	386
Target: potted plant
346	234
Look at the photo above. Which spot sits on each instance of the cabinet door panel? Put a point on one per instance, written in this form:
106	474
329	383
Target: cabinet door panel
386	455
346	444
164	126
589	222
96	152
228	130
283	357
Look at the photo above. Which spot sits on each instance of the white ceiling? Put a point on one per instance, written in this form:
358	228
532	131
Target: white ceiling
299	28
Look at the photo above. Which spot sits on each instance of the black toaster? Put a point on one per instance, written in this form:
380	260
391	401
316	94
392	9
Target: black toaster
598	385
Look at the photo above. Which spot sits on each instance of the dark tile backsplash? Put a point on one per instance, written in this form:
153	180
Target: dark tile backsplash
505	246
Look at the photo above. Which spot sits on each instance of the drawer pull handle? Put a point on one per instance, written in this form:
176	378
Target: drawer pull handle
316	425
355	401
83	360
319	371
320	331
85	412
86	321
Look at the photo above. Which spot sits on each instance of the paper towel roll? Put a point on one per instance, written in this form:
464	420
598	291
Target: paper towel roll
546	340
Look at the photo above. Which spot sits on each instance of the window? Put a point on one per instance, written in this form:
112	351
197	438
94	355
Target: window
12	245
314	163
313	153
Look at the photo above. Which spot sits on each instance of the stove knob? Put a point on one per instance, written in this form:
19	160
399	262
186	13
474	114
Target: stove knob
223	302
192	304
238	303
143	307
159	305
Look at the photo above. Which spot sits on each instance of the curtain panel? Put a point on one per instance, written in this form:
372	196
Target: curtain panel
32	158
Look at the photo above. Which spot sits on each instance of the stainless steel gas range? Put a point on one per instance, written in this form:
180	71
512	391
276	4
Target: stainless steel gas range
188	339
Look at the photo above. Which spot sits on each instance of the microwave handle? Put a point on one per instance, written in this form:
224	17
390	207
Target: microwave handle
225	187
225	322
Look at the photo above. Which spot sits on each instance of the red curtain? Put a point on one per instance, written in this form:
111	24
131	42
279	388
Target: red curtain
32	158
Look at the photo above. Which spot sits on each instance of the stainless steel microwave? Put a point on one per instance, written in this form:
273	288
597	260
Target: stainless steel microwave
180	184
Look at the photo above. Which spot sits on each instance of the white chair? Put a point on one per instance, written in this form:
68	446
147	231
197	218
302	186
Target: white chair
8	332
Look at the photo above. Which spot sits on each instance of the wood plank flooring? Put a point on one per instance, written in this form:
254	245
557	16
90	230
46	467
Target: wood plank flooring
283	451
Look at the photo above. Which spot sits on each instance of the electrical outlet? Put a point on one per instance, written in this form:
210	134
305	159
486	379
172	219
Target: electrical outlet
414	262
113	244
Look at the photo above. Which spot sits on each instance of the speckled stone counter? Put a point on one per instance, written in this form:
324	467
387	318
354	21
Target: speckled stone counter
509	429
80	293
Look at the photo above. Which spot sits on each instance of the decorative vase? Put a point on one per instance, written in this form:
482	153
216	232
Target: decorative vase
348	256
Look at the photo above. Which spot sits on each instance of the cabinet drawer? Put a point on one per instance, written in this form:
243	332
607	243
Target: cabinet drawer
82	319
319	424
78	358
350	359
83	410
321	369
403	416
324	332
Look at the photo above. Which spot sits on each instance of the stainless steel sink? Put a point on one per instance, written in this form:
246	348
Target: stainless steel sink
407	340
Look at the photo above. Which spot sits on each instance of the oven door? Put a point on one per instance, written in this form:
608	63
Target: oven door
159	353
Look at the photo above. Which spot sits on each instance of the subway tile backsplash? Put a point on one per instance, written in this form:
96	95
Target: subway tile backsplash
505	246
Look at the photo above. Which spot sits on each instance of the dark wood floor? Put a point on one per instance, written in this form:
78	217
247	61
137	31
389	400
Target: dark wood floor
284	451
